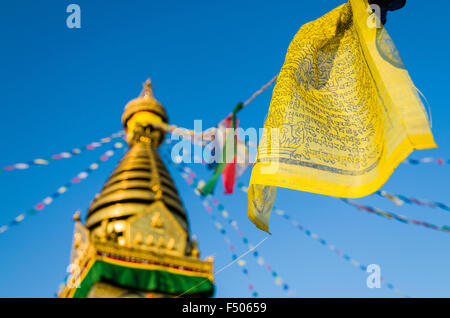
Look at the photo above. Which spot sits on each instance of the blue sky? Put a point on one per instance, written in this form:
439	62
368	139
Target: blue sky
62	88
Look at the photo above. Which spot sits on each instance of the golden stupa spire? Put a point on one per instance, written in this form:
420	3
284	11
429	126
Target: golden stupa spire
137	226
141	112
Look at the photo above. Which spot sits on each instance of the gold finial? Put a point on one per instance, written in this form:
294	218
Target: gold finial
148	88
142	106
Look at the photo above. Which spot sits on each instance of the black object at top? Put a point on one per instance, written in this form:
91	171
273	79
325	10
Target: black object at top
388	5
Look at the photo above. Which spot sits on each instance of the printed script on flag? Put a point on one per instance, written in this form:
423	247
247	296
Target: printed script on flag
344	113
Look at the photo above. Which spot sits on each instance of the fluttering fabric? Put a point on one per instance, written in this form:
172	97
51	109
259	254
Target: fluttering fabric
344	113
142	279
229	172
238	165
222	139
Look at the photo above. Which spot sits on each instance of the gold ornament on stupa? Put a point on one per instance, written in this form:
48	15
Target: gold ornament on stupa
135	241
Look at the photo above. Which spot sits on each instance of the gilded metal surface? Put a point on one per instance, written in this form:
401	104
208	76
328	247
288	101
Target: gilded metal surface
132	181
138	214
134	196
159	223
147	102
93	248
116	210
205	266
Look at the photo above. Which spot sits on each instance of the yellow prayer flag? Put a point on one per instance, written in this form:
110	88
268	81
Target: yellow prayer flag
344	113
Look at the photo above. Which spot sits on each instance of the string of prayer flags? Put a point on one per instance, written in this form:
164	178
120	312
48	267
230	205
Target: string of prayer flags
228	176
344	113
62	155
229	172
191	178
232	170
393	216
400	199
258	92
391	197
331	247
213	164
208	135
242	157
240	154
231	247
63	189
439	161
259	259
229	140
390	215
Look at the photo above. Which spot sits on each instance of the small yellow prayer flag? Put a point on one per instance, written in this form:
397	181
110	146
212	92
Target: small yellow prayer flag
344	113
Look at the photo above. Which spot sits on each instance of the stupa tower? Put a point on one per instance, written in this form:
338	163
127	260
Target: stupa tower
135	241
